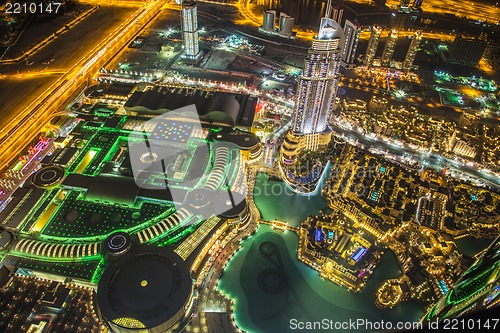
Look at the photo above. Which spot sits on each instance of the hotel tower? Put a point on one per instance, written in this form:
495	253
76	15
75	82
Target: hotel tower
189	24
316	92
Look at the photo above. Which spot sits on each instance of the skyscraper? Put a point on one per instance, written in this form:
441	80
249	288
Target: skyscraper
269	20
317	86
404	3
350	42
372	46
285	24
412	50
315	100
417	4
316	92
390	44
337	15
189	25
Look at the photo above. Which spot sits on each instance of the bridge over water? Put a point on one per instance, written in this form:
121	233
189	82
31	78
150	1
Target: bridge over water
280	225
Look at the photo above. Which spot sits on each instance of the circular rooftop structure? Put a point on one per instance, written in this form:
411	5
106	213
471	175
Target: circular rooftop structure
48	176
148	290
229	204
199	198
244	140
118	243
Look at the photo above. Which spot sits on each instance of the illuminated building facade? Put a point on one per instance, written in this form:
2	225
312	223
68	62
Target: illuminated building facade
286	24
412	50
372	46
316	92
189	24
350	43
404	3
269	20
417	4
318	83
478	289
389	47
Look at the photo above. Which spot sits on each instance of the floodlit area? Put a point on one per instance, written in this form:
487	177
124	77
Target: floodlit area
235	165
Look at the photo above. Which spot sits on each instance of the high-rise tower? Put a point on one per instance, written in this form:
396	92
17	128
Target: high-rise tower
372	46
412	50
417	4
315	100
315	96
269	23
389	47
286	24
404	3
317	86
349	43
189	25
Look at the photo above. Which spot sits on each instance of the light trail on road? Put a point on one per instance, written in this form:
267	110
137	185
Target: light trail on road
28	123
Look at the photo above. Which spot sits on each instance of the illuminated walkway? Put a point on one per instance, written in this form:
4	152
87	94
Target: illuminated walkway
158	230
72	251
218	172
37	248
280	225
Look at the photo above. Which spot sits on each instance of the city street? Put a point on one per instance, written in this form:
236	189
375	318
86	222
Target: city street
19	92
432	159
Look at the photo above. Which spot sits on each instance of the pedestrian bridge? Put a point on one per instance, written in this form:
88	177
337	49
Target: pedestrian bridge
280	225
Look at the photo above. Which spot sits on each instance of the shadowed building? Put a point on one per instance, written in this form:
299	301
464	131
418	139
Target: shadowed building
412	50
390	45
350	43
466	51
372	46
220	108
148	290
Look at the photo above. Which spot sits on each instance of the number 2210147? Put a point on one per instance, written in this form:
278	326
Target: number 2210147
32	8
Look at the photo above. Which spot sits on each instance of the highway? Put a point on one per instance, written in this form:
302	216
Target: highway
66	50
475	10
16	135
470	9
